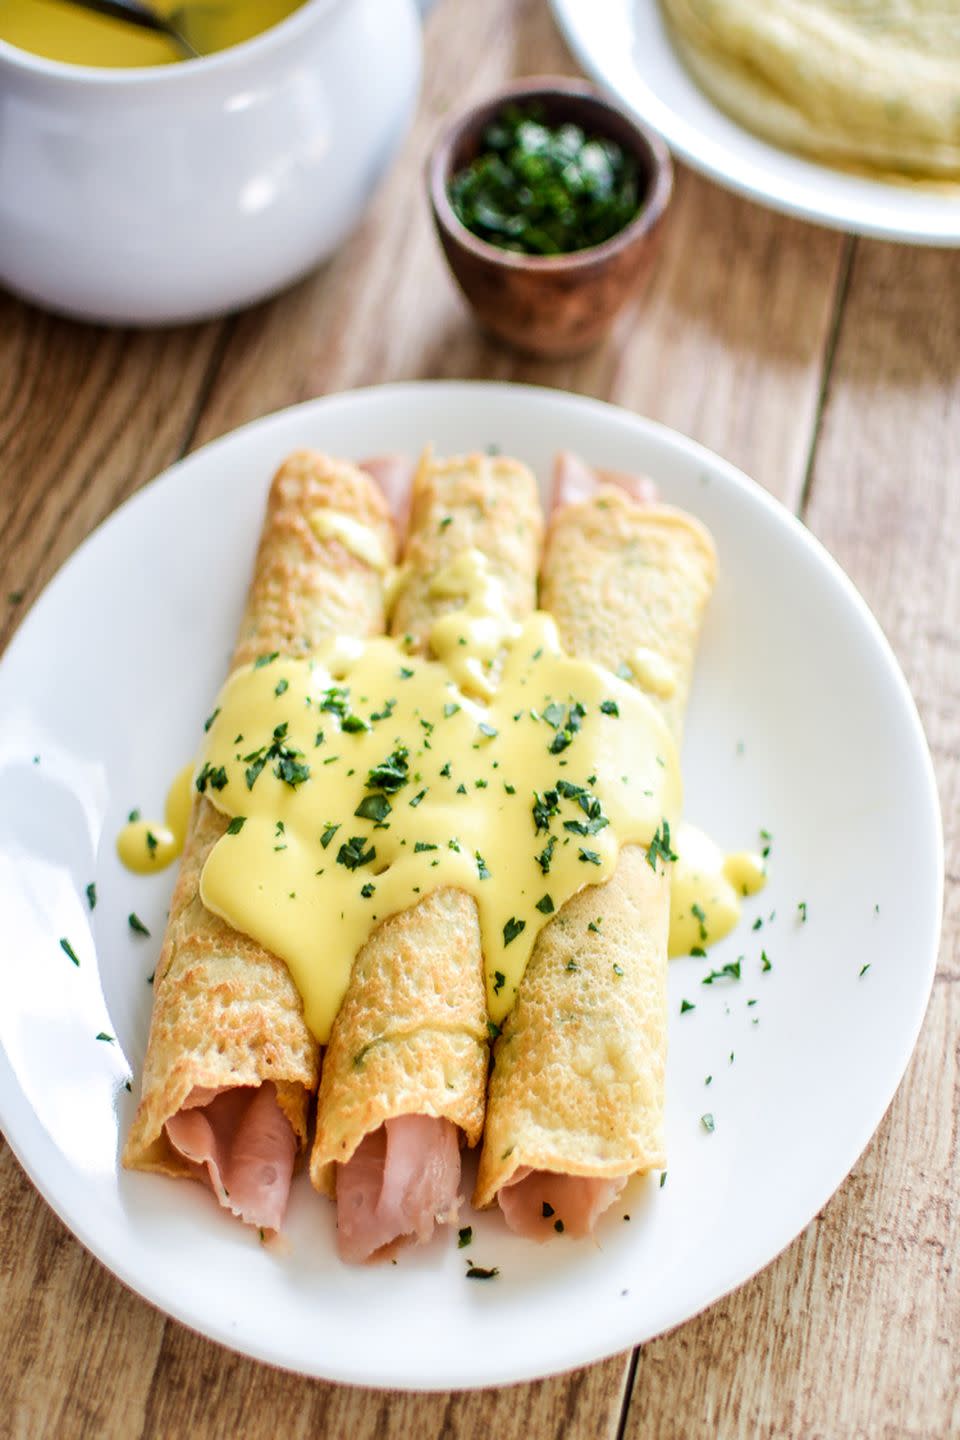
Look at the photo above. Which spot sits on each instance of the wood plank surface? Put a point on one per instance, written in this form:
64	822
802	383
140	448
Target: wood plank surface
849	1333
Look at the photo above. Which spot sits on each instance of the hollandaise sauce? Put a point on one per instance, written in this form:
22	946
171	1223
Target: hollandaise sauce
64	32
361	779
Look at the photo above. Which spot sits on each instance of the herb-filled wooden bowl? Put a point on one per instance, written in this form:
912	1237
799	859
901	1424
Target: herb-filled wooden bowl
546	199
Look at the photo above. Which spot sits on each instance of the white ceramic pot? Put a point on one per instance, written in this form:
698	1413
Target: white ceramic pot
170	194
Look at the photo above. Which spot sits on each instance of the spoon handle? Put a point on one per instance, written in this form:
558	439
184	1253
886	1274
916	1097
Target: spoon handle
129	10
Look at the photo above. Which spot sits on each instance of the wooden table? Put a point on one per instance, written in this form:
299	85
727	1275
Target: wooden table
827	368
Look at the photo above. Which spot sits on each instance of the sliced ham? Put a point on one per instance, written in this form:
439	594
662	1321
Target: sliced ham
539	1204
246	1145
401	1181
394	475
574	480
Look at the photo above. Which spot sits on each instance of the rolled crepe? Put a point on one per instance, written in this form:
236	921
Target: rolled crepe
230	1064
576	1094
405	1071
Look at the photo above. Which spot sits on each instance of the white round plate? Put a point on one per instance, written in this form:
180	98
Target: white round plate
800	723
624	45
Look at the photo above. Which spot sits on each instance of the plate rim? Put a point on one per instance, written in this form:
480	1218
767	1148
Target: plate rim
669	124
27	1138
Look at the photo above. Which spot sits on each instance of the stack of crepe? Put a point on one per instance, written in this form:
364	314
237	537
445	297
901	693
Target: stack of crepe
575	1102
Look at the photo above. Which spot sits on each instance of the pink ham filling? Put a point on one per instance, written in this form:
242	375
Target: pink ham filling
401	1181
539	1204
574	481
247	1146
394	474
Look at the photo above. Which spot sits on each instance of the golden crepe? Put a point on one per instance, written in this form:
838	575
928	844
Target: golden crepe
409	1046
875	85
576	1094
230	1063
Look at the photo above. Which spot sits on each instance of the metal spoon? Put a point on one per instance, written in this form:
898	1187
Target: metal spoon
136	13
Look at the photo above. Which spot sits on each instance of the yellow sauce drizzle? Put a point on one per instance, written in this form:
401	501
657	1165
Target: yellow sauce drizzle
362	542
459	808
148	845
653	673
359	781
706	890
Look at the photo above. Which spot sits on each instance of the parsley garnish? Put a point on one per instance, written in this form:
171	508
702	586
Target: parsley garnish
590	856
92	895
352	854
708	1123
609	707
417	798
493	1030
545	905
391	774
512	929
374	807
68	950
210	719
281	687
544	807
214	776
482	870
546	855
765	964
802	912
328	835
685	1006
730	971
136	924
487	730
367	890
499	980
422	845
464	1237
863	969
104	1036
262	660
699	915
660	846
236	824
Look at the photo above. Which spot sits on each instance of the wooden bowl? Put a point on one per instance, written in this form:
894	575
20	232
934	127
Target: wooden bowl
551	305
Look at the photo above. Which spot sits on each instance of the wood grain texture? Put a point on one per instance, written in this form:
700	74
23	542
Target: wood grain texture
849	1333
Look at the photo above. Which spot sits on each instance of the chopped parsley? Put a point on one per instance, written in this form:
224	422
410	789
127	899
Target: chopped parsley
281	687
450	708
482	870
659	846
422	845
708	1123
136	924
546	855
133	817
499	980
236	824
262	660
104	1036
699	914
214	776
391	774
730	971
512	929
68	950
92	895
352	854
367	890
609	707
374	807
765	964
328	835
545	905
685	1006
464	1237
590	856
210	719
863	968
802	912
